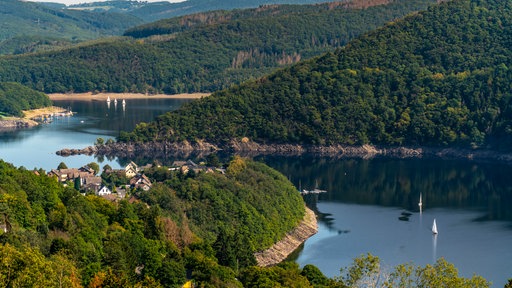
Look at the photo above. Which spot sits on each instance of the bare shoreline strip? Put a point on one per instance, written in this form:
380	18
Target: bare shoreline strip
89	96
282	249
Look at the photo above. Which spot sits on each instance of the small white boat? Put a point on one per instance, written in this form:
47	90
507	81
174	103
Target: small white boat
124	102
434	228
420	204
108	99
115	101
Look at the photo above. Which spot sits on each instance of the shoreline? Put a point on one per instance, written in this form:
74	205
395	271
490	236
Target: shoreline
290	242
27	121
89	96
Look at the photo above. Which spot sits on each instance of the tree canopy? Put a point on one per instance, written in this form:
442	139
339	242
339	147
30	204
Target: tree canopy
15	97
439	77
201	53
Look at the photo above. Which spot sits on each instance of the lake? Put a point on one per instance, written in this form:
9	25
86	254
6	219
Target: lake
370	205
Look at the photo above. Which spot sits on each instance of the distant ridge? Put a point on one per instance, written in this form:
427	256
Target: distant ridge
181	55
30	26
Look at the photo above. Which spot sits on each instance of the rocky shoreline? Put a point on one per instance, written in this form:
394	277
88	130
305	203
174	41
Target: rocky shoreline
282	249
249	148
11	124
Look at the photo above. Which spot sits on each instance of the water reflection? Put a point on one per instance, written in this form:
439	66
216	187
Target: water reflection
398	183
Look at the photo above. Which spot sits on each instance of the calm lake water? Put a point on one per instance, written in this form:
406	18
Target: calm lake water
371	205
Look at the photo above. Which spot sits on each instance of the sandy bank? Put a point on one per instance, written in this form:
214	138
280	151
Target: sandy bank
35	113
279	251
8	123
89	96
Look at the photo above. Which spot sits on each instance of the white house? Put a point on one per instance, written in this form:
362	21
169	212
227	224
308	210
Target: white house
104	191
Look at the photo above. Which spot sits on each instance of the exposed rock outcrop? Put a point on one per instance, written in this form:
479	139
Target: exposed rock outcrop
279	251
16	124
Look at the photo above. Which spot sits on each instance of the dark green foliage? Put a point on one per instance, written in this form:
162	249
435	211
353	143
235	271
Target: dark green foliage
136	242
30	26
437	78
251	204
184	55
15	97
151	11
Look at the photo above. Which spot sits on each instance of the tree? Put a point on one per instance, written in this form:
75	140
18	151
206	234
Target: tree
314	275
100	141
213	160
62	165
107	168
366	271
94	166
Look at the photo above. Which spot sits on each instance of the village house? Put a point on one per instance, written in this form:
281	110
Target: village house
65	175
131	170
140	181
104	191
91	183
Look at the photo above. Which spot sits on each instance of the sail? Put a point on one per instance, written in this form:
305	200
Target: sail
434	227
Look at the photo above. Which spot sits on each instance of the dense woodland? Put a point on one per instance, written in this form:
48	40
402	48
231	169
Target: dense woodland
31	26
203	225
437	78
204	57
152	11
15	97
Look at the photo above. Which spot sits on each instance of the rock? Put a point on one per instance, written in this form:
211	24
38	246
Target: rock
282	249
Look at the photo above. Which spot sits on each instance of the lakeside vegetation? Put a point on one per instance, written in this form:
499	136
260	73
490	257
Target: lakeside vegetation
202	227
437	78
14	98
204	57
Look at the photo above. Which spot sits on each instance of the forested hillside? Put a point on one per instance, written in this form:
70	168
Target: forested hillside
15	97
152	11
204	225
204	57
30	26
440	77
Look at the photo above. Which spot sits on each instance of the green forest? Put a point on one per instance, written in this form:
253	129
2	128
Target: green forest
14	98
152	11
437	78
200	227
30	26
202	57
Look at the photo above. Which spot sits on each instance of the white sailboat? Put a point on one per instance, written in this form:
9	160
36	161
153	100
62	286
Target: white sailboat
115	101
420	204
108	99
434	227
124	102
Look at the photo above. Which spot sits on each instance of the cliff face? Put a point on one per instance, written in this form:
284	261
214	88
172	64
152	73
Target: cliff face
279	251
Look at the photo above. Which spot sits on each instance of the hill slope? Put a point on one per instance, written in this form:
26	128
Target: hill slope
15	97
204	57
439	77
152	11
31	23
